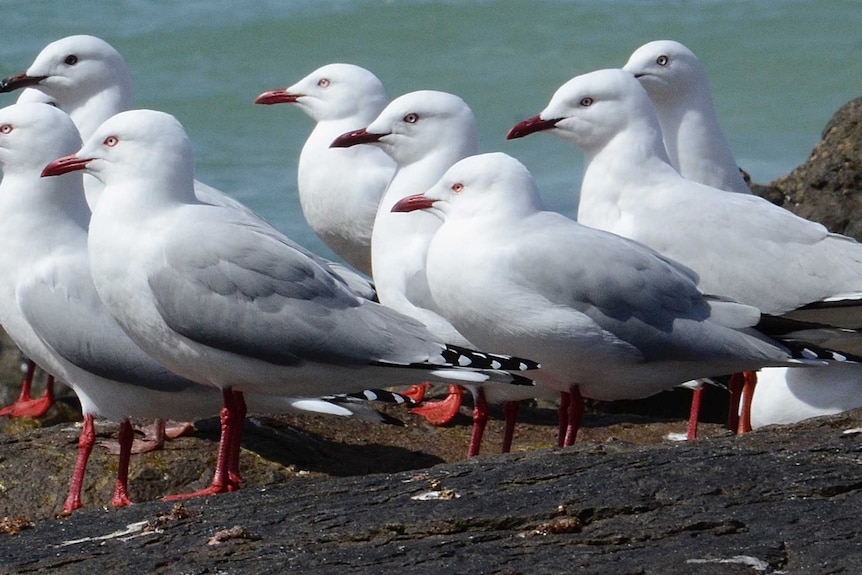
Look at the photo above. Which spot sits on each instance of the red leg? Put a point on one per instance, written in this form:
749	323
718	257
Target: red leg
234	477
563	415
220	477
480	419
694	413
510	413
735	385
576	414
441	412
121	489
85	446
750	378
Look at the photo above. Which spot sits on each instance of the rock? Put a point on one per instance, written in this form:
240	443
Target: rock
777	500
827	188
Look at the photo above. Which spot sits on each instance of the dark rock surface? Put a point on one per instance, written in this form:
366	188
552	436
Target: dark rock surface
779	500
827	188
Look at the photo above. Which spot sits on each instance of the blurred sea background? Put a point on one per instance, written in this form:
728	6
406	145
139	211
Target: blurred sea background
778	71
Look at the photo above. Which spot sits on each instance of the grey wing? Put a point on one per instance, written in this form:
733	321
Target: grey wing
63	307
247	289
627	289
607	276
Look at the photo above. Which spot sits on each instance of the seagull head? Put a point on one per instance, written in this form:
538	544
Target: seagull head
74	69
333	92
31	134
483	185
135	145
668	70
590	110
417	125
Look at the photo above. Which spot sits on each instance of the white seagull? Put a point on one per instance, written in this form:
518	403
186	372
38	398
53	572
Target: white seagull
605	316
339	188
224	299
50	308
677	84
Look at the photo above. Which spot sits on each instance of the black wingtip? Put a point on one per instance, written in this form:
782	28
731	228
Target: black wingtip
464	357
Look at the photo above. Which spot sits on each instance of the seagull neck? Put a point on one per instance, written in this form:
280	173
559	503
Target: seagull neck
88	114
698	149
58	200
418	177
614	175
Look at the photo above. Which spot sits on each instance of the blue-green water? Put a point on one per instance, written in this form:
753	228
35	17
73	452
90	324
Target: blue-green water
778	70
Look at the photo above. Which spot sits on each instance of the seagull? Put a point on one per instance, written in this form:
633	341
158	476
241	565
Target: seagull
46	274
606	317
224	299
424	132
740	246
26	405
677	84
50	308
339	188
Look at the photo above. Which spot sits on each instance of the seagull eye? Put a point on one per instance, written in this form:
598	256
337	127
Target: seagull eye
6	129
662	60
458	188
71	60
411	118
324	83
111	141
586	102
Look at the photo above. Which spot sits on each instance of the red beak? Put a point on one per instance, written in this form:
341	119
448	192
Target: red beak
529	126
279	96
65	165
355	137
412	203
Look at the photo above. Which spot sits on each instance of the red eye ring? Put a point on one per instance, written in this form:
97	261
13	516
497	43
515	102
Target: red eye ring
458	187
111	141
6	129
324	83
